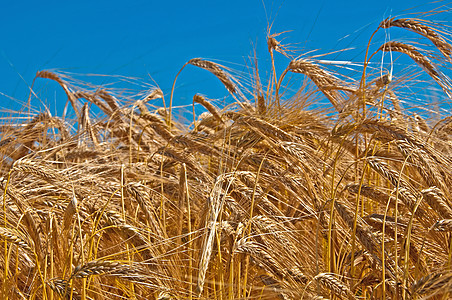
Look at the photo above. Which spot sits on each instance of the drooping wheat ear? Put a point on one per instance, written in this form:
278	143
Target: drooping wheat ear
195	146
261	257
50	75
276	287
5	141
421	123
47	120
31	167
267	225
148	116
436	199
215	69
212	109
443	225
188	159
69	212
261	105
237	211
321	78
378	221
165	296
131	233
383	80
363	232
336	286
301	155
446	126
434	283
85	122
56	205
226	228
390	131
426	166
70	95
404	191
162	112
98	267
424	30
273	44
415	55
92	97
213	207
28	212
154	94
374	193
109	99
63	289
143	198
395	101
15	237
265	206
297	275
156	123
265	127
207	123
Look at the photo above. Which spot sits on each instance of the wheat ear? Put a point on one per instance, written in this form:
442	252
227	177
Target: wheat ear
212	109
215	69
336	286
62	83
98	267
415	55
321	78
436	199
424	30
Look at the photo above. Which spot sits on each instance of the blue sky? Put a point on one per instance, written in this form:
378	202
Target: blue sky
153	39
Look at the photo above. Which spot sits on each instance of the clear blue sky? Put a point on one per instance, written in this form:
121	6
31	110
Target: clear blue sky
153	39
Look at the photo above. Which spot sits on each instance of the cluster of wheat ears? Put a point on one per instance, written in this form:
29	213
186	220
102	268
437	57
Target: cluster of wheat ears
269	198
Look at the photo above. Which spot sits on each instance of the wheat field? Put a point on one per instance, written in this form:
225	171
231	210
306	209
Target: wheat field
271	197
